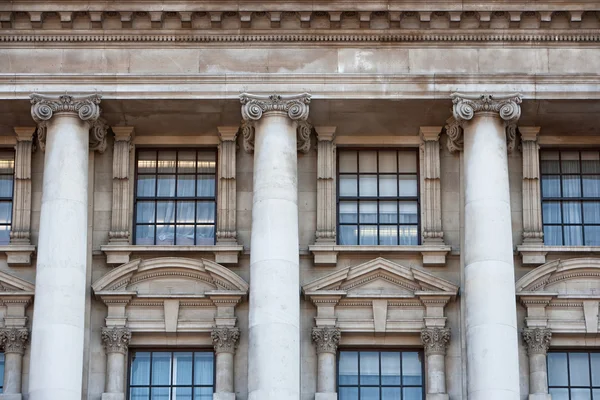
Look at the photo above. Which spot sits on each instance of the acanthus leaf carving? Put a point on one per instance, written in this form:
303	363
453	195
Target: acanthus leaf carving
225	340
537	340
435	340
327	339
14	339
116	339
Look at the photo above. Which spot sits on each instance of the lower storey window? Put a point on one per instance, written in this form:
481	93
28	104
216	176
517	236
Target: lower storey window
1	372
574	375
167	375
380	375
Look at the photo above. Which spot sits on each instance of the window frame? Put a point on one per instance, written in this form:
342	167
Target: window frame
400	350
131	352
378	198
175	199
10	200
561	199
591	387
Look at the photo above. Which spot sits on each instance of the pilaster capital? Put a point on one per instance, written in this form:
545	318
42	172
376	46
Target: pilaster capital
228	133
123	133
466	106
326	339
86	107
225	340
254	106
537	340
529	133
435	340
430	133
24	133
14	339
325	133
116	339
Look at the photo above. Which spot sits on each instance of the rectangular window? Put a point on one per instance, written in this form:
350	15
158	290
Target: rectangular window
380	375
1	372
168	375
378	197
175	201
574	375
571	197
7	173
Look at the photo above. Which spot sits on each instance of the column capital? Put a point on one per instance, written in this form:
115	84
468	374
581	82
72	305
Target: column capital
13	339
225	340
529	133
430	133
537	340
116	339
435	340
123	133
325	133
326	339
86	107
465	106
24	133
228	133
254	106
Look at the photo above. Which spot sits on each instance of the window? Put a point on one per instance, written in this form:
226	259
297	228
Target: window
165	375
1	372
571	197
175	197
574	375
380	375
378	200
7	171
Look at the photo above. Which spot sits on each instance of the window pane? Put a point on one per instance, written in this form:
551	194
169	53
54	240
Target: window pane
166	186
368	185
571	186
7	162
348	234
186	162
140	393
596	394
592	235
144	234
146	185
581	394
203	393
408	185
348	162
207	162
369	368
140	368
411	369
182	393
590	162
186	185
348	185
347	393
205	235
572	212
348	212
557	369
573	235
388	212
6	186
569	162
5	212
206	186
368	212
591	186
145	212
165	211
407	161
553	235
579	369
550	186
203	369
412	393
550	167
160	393
388	235
186	212
161	368
184	235
390	393
408	235
551	212
206	212
408	213
368	235
146	162
388	185
4	234
182	369
348	368
559	394
166	161
390	368
387	161
165	235
595	360
367	161
369	393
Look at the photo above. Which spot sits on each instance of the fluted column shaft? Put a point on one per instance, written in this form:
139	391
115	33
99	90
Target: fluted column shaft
59	309
491	323
274	318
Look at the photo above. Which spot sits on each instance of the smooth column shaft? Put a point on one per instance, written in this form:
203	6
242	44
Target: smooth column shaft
436	373
224	374
274	343
115	373
59	307
492	345
538	374
326	378
12	373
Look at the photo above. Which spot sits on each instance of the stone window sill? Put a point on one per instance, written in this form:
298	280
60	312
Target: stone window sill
18	254
536	254
433	255
224	253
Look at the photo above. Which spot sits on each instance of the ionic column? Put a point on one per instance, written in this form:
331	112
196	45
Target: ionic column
491	322
116	343
274	318
13	344
225	341
436	342
326	340
538	343
59	310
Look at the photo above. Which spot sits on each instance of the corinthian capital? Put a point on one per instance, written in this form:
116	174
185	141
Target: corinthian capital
116	339
43	107
465	106
435	340
326	339
13	339
254	106
225	340
537	340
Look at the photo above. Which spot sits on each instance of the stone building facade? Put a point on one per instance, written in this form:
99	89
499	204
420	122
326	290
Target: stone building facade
242	200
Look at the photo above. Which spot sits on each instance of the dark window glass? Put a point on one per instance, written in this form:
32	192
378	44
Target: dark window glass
574	375
1	372
384	375
175	197
378	197
157	375
571	197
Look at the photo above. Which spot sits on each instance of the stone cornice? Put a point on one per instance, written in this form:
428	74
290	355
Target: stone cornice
13	339
116	339
435	340
537	340
225	340
326	339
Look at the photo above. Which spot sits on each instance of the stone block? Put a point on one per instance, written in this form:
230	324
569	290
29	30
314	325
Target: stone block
113	396
326	396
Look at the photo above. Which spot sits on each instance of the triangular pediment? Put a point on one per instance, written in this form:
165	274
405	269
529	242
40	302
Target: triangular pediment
13	285
577	276
380	277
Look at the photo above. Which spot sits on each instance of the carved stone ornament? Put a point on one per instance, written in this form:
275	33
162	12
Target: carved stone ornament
326	339
98	131
116	339
303	136
247	129
537	340
225	340
43	107
14	339
435	340
254	106
455	135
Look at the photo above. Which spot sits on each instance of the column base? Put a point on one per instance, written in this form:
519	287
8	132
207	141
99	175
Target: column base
326	396
113	396
222	396
7	396
539	396
437	396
